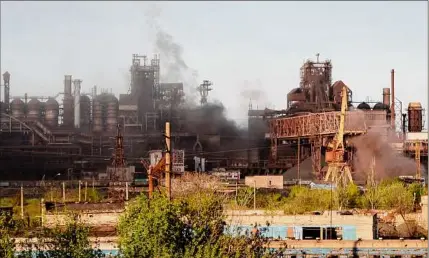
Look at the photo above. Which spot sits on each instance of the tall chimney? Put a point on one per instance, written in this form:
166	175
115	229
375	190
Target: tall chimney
386	97
68	85
392	103
77	87
6	83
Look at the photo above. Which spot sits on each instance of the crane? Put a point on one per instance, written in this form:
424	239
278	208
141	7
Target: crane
339	171
154	172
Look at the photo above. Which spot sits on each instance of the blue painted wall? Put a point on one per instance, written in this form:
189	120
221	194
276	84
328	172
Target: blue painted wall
349	233
280	232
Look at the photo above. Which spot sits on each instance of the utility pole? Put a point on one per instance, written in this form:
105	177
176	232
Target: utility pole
254	194
299	161
150	179
86	190
168	160
22	202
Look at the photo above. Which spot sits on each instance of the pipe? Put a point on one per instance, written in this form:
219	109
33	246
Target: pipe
392	102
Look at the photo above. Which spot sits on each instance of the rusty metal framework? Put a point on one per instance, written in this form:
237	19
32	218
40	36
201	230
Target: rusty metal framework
326	123
317	126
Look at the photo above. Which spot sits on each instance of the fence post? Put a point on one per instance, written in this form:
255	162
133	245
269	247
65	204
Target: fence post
64	192
79	190
42	211
86	190
126	191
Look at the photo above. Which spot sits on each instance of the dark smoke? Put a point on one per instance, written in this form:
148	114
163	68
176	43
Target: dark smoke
388	162
198	120
173	65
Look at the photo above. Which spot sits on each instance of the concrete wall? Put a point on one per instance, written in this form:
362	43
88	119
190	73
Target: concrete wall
275	182
93	219
280	225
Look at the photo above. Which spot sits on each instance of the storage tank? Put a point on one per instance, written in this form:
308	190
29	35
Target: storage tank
17	108
386	97
380	106
415	117
85	111
97	115
112	113
34	110
52	110
364	106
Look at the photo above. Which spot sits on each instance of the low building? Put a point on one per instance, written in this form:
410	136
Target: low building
277	225
268	181
271	224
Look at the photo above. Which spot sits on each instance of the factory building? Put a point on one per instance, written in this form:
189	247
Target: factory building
52	134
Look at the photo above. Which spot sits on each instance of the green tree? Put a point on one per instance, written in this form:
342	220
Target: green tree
371	199
70	240
7	243
190	226
302	199
396	196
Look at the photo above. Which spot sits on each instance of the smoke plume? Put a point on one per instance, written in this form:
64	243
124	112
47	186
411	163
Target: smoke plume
251	92
388	162
173	65
208	120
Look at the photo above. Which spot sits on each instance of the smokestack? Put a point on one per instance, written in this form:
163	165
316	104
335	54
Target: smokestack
77	84
6	81
392	91
386	96
68	85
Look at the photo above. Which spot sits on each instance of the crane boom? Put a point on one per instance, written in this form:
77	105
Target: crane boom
339	170
339	141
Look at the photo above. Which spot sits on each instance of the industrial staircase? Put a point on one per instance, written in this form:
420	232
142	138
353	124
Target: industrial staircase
42	131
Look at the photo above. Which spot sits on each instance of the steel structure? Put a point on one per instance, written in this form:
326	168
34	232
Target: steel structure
339	171
83	125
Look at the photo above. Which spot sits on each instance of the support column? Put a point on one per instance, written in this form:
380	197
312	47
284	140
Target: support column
316	155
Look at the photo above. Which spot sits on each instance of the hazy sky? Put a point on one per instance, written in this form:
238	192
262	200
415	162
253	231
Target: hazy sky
240	46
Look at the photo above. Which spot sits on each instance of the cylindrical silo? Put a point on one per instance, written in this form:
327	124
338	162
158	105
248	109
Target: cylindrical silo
97	115
34	110
85	111
17	108
415	117
364	106
112	113
386	97
52	109
380	106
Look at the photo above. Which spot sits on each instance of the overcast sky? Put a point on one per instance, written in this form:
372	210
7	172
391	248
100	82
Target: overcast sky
248	49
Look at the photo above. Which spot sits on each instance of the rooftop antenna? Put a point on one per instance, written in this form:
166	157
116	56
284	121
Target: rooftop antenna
250	104
204	89
317	57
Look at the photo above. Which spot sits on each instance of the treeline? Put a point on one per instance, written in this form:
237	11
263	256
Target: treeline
390	194
192	224
188	226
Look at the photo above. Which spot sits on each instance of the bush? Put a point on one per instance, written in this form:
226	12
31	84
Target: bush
190	226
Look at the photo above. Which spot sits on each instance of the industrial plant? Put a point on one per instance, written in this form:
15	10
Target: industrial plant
78	135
